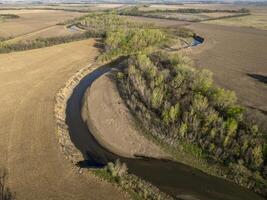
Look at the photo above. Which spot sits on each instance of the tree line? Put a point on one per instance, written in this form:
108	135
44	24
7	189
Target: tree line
157	13
99	25
43	42
9	16
180	105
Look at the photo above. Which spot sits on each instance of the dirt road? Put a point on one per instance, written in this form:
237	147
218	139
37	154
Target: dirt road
37	169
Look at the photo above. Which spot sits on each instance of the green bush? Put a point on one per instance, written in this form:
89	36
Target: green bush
117	169
157	97
202	81
231	126
8	16
222	98
235	112
124	42
42	42
184	107
157	13
171	115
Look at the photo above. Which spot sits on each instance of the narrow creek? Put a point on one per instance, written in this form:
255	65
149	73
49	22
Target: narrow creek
197	40
73	29
176	179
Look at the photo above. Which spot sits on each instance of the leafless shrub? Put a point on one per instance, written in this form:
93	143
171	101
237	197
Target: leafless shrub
5	193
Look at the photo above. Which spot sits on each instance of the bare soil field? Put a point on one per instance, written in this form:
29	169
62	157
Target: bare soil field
71	7
257	19
192	5
37	169
237	58
190	16
187	12
30	21
52	31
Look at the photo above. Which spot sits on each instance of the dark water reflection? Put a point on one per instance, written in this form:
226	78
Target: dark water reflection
197	40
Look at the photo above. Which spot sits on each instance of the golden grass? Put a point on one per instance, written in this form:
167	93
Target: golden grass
33	20
53	31
196	6
257	19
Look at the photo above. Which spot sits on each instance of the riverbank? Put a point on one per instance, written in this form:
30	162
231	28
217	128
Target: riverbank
177	130
91	161
111	123
173	178
29	81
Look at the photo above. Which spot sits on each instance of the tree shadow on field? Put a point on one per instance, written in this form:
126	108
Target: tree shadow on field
100	45
258	77
5	192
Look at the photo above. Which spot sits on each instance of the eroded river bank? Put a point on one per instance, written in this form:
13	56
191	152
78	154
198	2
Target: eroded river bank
176	179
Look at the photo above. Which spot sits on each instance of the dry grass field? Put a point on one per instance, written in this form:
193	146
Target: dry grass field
257	19
29	81
61	6
37	169
194	5
190	16
35	21
191	12
237	58
51	31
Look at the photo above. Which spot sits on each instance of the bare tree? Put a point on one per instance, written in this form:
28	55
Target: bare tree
5	193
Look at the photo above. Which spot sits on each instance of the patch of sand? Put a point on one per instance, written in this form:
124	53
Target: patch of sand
113	124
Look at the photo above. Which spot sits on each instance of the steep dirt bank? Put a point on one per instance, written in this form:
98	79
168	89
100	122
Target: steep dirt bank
113	126
173	178
37	169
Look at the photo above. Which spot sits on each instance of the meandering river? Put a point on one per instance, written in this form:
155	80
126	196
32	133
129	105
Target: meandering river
176	179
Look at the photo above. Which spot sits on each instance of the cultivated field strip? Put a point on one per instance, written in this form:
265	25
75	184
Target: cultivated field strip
29	81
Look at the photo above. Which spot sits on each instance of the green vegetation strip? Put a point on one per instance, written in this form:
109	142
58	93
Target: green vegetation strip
176	104
138	189
8	16
4	17
42	42
159	13
99	25
181	108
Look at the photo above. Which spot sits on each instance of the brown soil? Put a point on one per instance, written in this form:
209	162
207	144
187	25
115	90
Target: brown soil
237	58
193	6
37	169
114	127
33	20
51	31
